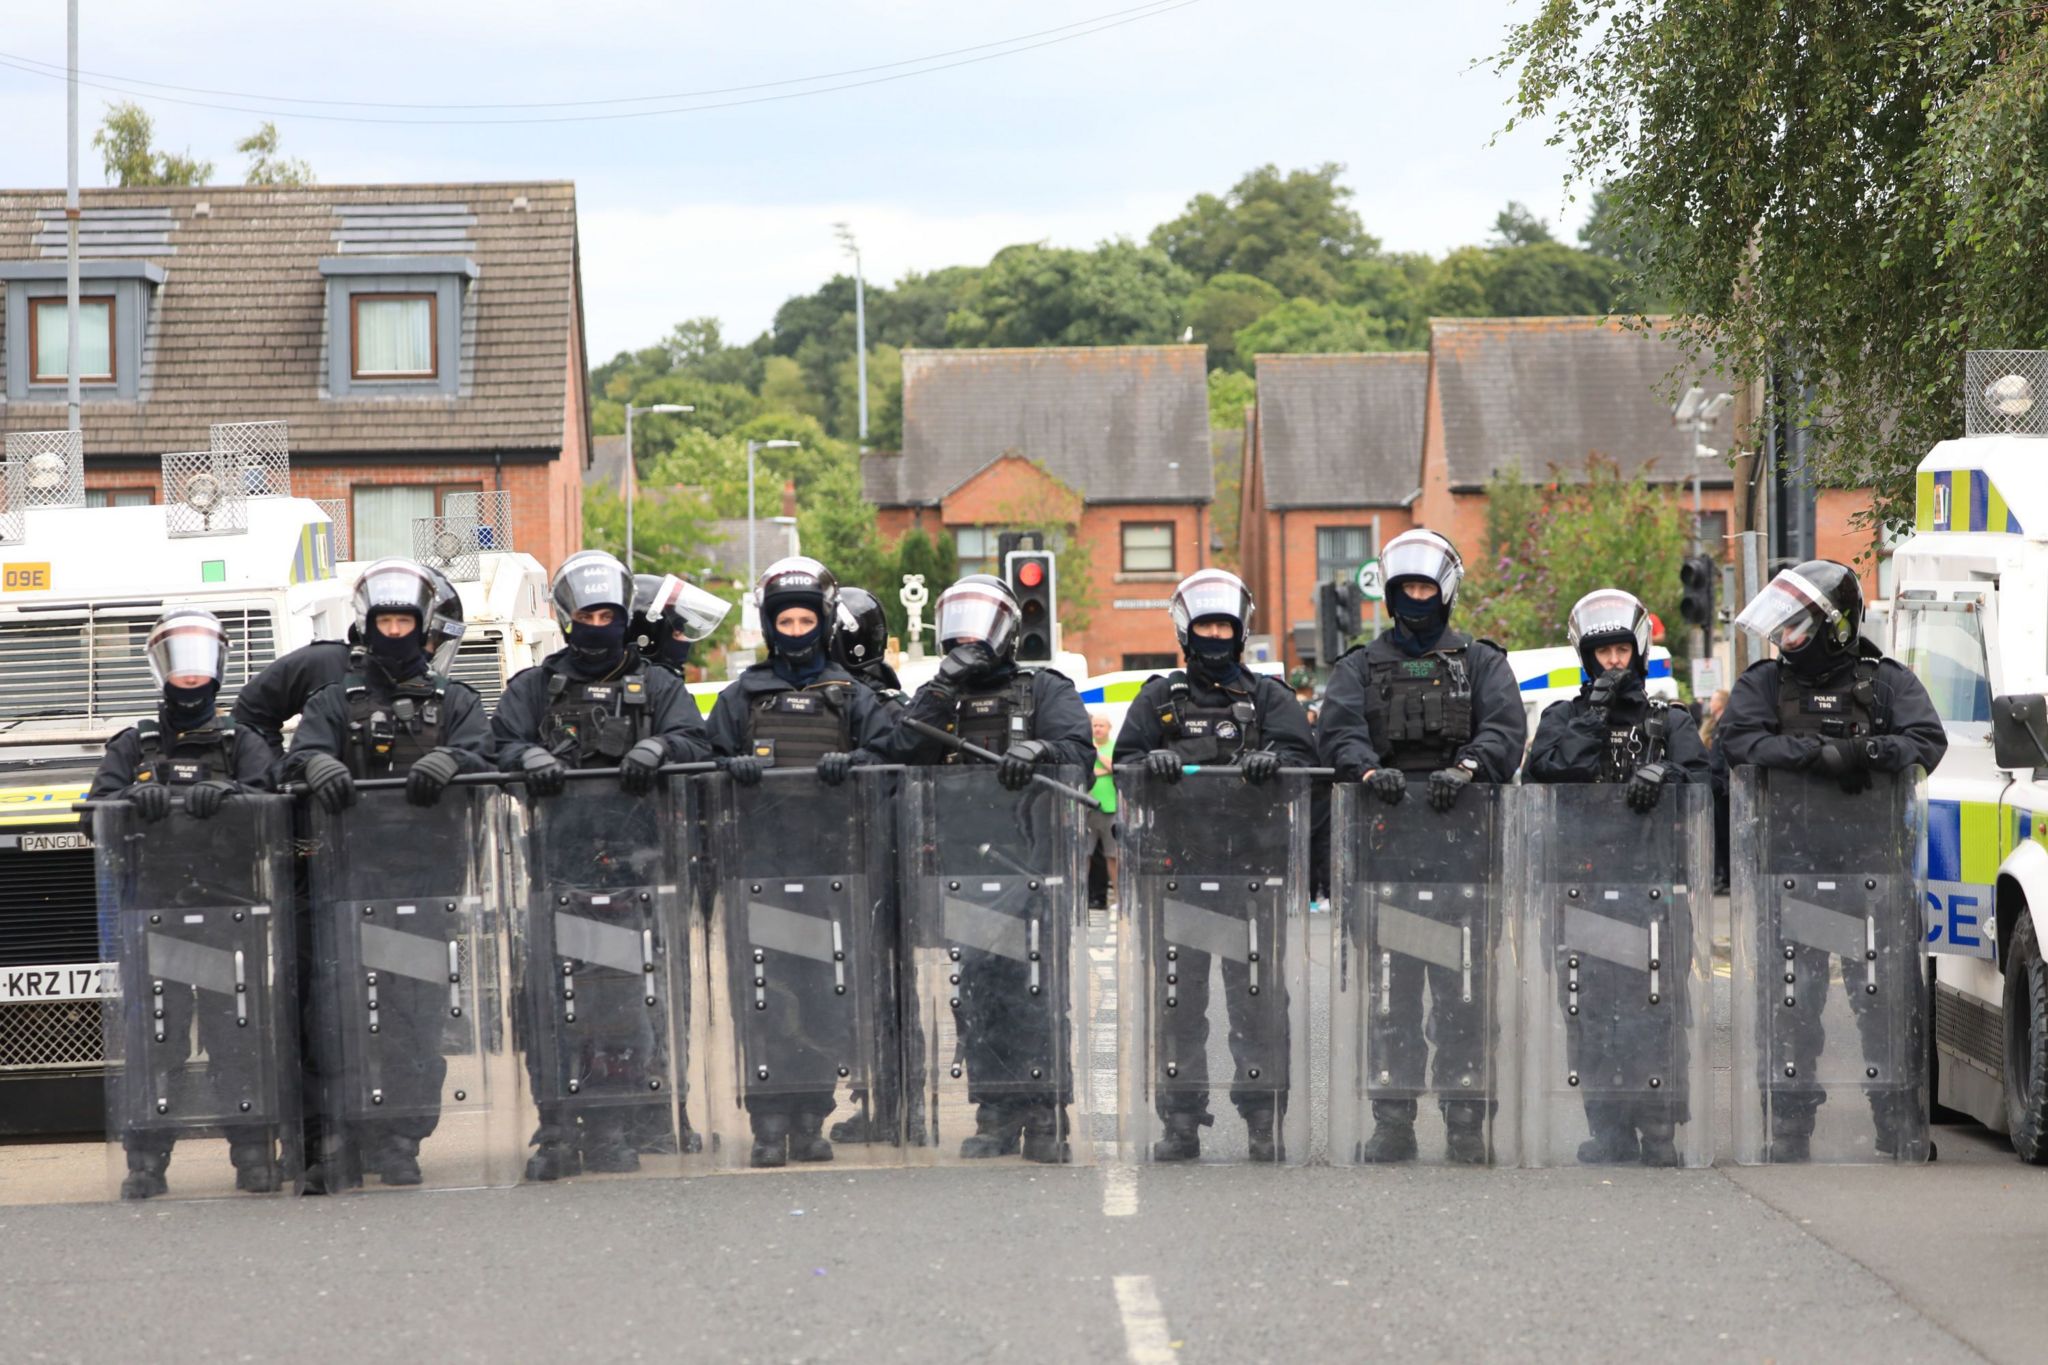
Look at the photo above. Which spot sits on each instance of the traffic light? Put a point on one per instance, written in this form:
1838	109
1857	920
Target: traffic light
1697	577
1031	577
1337	619
1009	542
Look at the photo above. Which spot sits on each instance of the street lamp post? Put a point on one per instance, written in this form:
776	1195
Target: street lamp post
752	576
860	328
1697	412
633	471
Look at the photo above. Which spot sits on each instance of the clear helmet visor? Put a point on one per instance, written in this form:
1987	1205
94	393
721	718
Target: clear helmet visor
1601	617
395	585
1789	612
588	579
688	608
1423	556
186	645
1211	595
976	613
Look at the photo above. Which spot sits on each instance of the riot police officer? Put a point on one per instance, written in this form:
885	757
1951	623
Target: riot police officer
185	753
1424	701
1215	712
593	703
1027	716
394	713
861	643
670	617
1614	732
795	709
1831	704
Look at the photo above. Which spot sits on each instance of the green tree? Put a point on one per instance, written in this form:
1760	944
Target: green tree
1303	326
1394	286
1221	307
1549	279
126	143
671	528
1294	231
1852	194
1035	295
1230	393
266	167
1516	226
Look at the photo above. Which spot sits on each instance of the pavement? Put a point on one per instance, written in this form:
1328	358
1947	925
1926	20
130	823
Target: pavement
1005	1260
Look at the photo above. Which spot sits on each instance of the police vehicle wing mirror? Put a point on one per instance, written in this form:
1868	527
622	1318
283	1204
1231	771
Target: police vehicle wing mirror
2019	731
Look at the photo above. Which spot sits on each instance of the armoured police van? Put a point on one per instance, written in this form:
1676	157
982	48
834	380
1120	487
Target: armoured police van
1969	616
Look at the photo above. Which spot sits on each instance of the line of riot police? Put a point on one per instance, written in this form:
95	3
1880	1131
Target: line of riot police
830	916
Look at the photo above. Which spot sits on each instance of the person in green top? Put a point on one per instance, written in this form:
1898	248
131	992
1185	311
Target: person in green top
1102	823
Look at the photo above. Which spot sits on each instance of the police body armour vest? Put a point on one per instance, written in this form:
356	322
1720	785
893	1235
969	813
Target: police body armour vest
388	734
1420	710
1848	711
593	724
995	720
1634	744
1213	733
189	757
797	727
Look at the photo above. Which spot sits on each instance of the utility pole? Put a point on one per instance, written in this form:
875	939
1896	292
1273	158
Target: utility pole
860	327
71	223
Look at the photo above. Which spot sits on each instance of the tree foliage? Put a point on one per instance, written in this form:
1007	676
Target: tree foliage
266	167
1848	195
127	146
1297	232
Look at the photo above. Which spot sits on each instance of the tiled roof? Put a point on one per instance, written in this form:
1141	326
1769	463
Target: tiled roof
1341	430
1550	391
1118	423
239	328
607	464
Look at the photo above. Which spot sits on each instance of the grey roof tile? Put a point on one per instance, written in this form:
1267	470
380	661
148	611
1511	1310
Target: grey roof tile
1342	430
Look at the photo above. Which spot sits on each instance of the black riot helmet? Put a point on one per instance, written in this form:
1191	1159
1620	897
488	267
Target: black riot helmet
664	607
980	607
420	591
798	581
862	639
1609	616
1813	613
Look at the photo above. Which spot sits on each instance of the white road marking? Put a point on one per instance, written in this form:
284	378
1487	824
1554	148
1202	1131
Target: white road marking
1146	1341
1119	1190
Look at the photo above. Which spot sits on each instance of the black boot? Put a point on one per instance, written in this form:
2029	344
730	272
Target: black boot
806	1141
1393	1133
556	1157
1262	1136
145	1178
771	1141
1045	1135
1465	1133
1613	1143
398	1162
255	1167
606	1147
998	1129
1791	1136
1180	1137
1660	1146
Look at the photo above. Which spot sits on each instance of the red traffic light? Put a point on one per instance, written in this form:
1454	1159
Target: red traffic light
1031	573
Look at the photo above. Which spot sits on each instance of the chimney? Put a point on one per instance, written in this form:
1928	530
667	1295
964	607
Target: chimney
789	497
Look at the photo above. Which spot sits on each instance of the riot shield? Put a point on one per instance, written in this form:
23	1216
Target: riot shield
599	965
795	1024
202	1039
1212	968
1617	1019
1420	913
1826	888
997	990
417	1085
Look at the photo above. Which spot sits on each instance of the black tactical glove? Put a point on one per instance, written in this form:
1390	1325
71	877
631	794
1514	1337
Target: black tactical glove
1260	766
152	801
1163	764
1014	772
428	778
1645	785
1889	754
641	765
1600	696
1847	762
545	775
744	770
964	666
1388	784
1446	785
202	799
328	780
834	768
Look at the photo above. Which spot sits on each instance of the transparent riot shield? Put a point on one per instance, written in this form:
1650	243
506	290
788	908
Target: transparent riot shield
1825	890
417	1083
796	1053
1212	968
600	966
1423	980
202	1039
997	994
1618	1011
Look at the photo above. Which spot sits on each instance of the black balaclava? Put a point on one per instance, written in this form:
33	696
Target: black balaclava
398	657
1418	623
188	708
1819	659
597	651
798	660
667	648
1214	660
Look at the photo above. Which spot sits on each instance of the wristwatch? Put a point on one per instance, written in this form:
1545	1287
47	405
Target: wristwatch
1470	765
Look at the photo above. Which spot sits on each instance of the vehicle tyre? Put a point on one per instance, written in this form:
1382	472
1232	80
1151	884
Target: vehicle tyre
2026	1044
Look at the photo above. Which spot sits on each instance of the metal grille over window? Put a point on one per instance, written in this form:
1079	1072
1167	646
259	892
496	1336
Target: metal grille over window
261	451
492	513
74	669
448	544
52	465
2005	393
202	495
13	521
44	1035
337	514
476	663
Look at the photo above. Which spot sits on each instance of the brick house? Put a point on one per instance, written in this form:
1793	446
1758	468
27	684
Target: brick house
1106	445
419	340
1332	472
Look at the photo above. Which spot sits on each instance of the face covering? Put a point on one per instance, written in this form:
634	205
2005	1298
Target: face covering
1814	659
672	651
399	656
1212	659
1419	623
598	649
797	659
188	708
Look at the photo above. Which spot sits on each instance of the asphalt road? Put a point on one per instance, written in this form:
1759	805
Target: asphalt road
1005	1260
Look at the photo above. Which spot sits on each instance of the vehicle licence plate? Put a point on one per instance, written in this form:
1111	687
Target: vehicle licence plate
52	843
71	981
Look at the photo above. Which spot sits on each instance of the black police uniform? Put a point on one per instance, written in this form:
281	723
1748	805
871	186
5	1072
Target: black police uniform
281	690
1455	703
380	729
1776	718
1611	1040
1217	724
152	751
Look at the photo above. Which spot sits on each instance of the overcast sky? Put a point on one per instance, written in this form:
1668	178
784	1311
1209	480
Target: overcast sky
728	211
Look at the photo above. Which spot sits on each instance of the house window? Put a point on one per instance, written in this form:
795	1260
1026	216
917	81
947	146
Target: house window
392	336
975	547
381	515
1340	550
1714	535
119	497
1148	547
48	331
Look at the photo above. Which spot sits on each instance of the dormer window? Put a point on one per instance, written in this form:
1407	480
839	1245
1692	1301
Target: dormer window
49	332
395	325
393	336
